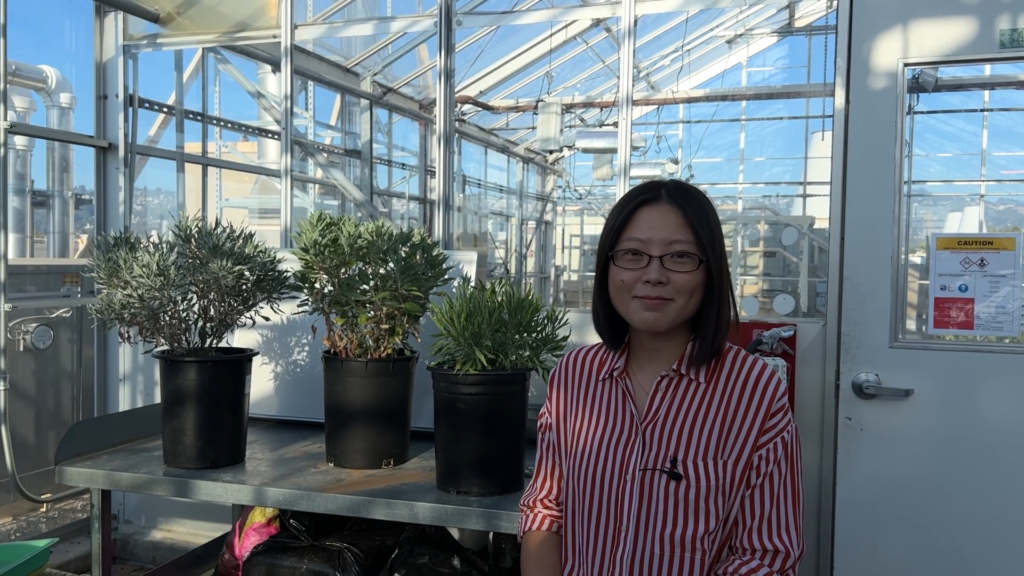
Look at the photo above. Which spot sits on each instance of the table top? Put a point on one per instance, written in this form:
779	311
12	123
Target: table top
285	468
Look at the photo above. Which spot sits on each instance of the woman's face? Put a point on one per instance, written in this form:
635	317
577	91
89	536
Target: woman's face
655	299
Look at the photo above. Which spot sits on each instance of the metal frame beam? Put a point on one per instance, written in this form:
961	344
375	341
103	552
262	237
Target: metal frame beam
807	16
332	10
626	55
162	123
664	97
399	52
529	54
285	120
445	125
727	20
706	34
394	26
475	37
274	110
134	9
972	83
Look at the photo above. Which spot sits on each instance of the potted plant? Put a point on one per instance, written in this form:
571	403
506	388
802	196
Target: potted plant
491	338
183	294
371	283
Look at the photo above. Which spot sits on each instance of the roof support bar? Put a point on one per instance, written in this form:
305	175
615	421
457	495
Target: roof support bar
133	9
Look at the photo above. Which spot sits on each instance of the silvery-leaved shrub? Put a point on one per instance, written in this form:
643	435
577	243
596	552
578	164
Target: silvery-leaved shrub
370	281
187	290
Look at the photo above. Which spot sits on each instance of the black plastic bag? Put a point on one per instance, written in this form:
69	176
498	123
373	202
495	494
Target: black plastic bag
324	545
433	551
505	549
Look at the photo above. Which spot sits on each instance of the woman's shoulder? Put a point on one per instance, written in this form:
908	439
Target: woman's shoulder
582	363
735	363
589	356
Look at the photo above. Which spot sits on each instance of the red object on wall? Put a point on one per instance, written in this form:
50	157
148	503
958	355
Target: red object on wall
749	330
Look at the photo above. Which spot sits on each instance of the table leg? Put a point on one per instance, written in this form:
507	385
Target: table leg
101	532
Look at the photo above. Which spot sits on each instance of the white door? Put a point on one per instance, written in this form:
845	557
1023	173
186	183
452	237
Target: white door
930	484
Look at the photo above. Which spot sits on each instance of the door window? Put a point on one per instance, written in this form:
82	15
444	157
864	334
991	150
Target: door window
962	175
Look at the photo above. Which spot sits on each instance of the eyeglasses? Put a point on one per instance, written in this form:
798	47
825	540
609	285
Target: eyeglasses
676	261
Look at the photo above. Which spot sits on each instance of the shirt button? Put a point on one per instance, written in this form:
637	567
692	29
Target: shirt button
623	529
629	476
662	388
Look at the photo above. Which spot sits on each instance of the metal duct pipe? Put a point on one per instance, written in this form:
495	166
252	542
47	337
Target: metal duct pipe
59	100
26	76
21	106
268	151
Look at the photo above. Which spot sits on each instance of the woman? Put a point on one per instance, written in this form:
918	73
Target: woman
664	450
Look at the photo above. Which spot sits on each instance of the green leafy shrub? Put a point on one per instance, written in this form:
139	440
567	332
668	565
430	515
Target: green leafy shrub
187	291
496	325
370	281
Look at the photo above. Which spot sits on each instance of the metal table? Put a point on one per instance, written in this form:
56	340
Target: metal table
284	468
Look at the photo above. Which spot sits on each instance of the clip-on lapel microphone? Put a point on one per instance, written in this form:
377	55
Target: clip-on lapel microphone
673	473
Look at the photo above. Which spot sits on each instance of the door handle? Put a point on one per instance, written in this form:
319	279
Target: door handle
868	386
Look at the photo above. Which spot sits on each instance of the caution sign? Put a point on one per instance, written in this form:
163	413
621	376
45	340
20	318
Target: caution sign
975	284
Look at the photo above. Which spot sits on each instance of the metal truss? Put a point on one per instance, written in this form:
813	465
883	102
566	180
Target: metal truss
688	45
702	44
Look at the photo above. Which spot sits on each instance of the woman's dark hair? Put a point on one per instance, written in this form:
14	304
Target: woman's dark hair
715	317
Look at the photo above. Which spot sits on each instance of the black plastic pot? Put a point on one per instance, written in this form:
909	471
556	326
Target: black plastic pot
480	431
205	407
367	410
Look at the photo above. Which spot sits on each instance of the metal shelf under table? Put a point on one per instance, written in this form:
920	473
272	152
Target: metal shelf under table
284	468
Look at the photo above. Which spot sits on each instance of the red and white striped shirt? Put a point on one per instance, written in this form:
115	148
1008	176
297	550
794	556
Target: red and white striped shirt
737	509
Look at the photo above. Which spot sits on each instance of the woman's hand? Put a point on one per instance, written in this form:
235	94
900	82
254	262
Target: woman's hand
541	554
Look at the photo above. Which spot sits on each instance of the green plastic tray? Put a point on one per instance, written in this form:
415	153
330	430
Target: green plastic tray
24	558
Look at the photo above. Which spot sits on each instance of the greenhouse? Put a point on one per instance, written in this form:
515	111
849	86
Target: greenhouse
849	147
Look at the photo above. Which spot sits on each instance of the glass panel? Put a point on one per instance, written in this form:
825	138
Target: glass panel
247	199
52	202
155	202
186	17
530	84
763	156
52	46
324	11
224	126
961	175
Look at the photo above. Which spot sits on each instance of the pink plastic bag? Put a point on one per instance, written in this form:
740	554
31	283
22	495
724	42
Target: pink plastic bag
255	525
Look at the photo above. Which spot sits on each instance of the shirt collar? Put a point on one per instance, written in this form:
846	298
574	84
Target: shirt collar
615	364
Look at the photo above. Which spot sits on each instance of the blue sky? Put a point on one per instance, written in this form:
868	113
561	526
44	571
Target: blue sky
59	33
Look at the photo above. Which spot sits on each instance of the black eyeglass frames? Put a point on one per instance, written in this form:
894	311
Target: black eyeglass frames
675	261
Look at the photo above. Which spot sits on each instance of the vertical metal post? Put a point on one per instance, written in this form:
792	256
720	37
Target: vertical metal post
366	113
287	106
423	181
217	137
985	115
581	265
4	169
205	170
101	528
179	125
445	111
520	259
626	68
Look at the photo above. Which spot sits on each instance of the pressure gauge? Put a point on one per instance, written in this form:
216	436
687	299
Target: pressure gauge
40	337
